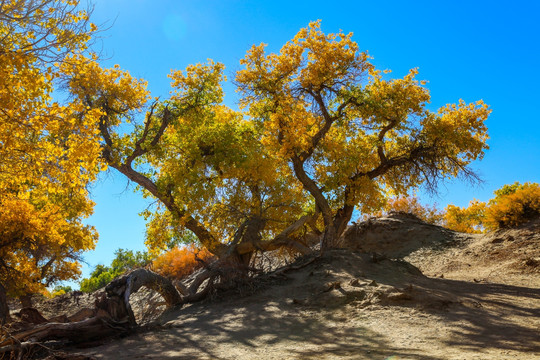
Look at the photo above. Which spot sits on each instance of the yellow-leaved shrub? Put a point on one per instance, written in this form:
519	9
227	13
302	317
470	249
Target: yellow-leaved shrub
514	208
513	205
467	220
180	262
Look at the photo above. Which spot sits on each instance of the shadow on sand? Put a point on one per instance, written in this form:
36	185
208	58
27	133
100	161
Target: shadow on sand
480	316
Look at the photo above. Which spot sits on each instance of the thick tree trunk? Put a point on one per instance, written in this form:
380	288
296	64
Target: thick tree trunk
26	301
4	308
329	238
339	226
281	240
124	286
98	327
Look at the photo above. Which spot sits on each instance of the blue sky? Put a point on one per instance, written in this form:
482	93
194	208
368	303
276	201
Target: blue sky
467	50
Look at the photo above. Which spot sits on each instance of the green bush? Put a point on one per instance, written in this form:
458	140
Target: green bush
124	261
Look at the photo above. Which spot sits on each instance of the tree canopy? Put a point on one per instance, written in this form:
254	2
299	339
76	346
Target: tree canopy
320	132
48	148
350	135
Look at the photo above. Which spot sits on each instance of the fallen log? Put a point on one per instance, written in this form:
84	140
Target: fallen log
113	315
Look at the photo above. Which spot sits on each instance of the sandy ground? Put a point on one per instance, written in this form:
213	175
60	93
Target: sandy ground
450	296
494	322
390	312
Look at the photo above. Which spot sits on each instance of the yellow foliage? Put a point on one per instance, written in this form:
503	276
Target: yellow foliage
512	206
40	245
512	209
180	262
468	220
49	151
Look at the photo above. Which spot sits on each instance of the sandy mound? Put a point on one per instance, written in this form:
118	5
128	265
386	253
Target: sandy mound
342	277
400	234
502	256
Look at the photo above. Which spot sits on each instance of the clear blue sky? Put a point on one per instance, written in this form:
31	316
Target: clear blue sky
471	50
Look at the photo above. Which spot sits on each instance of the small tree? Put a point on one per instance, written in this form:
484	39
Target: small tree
324	132
125	260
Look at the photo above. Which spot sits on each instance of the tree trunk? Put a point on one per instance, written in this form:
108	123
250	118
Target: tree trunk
26	300
98	327
124	286
341	220
4	308
329	239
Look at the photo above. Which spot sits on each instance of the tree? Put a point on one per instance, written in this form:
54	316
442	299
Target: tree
324	132
48	149
349	135
124	261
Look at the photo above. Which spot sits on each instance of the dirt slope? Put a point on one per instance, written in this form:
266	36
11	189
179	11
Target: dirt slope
399	289
483	303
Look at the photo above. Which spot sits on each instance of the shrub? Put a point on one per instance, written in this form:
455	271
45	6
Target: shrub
468	220
513	205
179	262
61	290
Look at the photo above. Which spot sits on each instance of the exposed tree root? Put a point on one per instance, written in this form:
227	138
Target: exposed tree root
113	314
